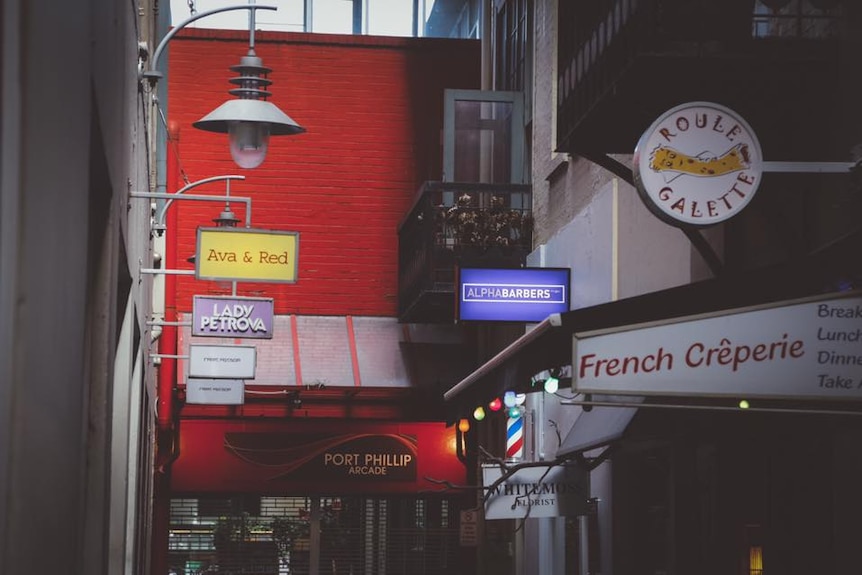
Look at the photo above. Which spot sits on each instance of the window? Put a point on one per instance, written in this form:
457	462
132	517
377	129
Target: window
755	560
796	18
483	137
404	18
753	535
512	27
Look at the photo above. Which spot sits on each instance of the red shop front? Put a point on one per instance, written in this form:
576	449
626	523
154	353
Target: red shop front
316	496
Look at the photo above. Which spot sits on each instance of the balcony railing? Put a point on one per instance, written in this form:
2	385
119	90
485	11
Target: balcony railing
454	224
610	50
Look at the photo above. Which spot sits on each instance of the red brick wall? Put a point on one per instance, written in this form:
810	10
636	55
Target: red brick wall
373	109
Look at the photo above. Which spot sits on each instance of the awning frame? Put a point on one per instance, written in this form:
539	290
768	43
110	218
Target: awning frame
548	345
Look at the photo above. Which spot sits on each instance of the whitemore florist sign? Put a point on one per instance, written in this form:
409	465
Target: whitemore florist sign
697	165
544	491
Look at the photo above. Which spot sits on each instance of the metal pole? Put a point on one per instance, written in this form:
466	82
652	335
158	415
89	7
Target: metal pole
251	23
810	167
584	544
158	271
173	323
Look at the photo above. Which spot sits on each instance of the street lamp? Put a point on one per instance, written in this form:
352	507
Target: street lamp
250	119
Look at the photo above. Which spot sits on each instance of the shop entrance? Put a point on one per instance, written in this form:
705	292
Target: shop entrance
259	535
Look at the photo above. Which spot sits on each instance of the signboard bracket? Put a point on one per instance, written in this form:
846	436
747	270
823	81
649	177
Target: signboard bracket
171	323
160	271
159	216
705	407
811	167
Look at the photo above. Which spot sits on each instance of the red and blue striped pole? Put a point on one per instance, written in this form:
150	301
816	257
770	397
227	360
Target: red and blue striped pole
515	438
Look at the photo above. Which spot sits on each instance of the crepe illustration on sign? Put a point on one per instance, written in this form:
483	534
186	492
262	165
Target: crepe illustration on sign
673	163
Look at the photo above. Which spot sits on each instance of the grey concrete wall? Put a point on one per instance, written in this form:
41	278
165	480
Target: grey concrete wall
73	145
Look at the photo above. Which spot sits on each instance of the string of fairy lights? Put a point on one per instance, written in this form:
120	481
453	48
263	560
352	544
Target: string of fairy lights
512	404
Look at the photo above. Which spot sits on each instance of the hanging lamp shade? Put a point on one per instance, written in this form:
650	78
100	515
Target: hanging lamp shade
255	111
250	119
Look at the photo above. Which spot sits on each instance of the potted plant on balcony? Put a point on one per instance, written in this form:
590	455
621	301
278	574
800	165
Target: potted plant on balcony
467	227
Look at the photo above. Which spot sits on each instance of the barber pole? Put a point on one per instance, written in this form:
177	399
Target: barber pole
514	438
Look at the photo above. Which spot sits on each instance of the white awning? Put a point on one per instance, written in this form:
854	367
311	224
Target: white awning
596	428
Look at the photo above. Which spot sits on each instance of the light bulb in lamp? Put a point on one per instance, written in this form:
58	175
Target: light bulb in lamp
248	142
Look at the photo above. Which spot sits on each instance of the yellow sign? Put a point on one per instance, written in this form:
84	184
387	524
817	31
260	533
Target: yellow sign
243	254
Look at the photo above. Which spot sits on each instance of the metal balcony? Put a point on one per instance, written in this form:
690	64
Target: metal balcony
457	224
790	67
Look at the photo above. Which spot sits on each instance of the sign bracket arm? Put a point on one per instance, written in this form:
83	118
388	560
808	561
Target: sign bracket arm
624	173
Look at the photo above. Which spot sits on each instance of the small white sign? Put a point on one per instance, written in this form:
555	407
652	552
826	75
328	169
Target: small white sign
215	391
808	348
469	528
552	491
222	361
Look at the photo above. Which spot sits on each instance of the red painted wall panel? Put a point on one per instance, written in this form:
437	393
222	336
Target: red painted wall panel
373	109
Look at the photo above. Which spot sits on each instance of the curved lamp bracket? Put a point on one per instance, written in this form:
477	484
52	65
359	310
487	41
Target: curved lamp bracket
154	75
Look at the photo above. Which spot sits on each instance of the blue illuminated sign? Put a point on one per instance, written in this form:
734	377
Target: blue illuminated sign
522	294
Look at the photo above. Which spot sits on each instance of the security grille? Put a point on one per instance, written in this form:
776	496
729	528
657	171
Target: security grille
247	535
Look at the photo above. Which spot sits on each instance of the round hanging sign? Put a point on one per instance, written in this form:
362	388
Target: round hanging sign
697	165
